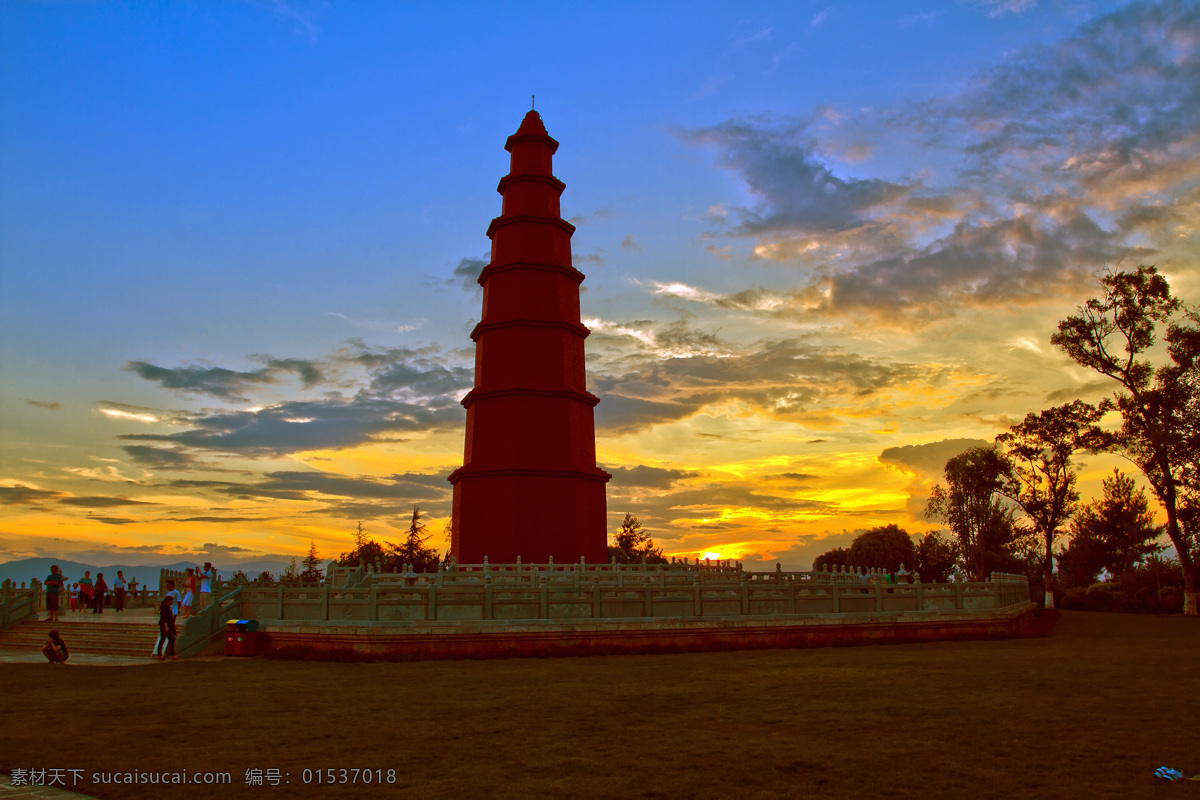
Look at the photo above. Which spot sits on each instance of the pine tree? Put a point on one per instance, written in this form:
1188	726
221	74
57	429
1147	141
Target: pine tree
1118	528
312	561
414	551
366	550
634	546
291	574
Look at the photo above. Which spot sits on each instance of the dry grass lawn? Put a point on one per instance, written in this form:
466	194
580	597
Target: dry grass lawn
1089	712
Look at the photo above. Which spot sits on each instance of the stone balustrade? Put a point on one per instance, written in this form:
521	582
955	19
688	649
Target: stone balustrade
616	591
17	604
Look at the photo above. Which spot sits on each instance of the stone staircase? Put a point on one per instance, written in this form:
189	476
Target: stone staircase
135	638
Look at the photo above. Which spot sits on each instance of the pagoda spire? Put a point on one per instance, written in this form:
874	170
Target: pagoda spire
529	485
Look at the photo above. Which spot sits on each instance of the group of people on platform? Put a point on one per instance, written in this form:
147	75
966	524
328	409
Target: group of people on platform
88	594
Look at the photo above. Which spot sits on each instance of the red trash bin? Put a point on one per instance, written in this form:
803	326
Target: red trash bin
242	637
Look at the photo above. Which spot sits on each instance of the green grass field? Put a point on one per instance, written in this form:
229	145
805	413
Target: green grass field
1088	712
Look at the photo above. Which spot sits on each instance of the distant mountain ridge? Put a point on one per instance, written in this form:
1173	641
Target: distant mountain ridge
26	569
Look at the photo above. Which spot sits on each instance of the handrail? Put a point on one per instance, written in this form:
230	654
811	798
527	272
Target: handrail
200	630
17	606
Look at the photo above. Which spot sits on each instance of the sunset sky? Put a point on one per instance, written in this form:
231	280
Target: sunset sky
826	245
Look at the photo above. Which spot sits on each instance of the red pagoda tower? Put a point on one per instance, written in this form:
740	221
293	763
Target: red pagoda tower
529	485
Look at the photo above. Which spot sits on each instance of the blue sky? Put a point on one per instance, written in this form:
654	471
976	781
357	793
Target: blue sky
826	245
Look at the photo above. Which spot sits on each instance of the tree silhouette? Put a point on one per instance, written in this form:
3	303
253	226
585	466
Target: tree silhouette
1160	408
886	547
971	504
366	550
1115	532
633	545
830	560
312	561
1041	480
936	557
414	551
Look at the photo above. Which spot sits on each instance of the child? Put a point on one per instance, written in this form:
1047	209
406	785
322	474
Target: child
55	649
74	596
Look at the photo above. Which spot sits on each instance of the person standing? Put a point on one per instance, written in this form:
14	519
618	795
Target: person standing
98	594
53	584
75	596
119	591
176	598
166	625
185	604
207	576
85	590
189	591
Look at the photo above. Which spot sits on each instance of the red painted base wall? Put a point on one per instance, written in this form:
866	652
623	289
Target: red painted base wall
385	645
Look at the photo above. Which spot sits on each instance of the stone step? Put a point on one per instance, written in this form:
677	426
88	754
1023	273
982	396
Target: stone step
99	638
43	626
80	642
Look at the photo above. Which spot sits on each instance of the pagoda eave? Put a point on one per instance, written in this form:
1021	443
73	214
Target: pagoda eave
569	394
549	180
517	138
599	475
500	222
493	269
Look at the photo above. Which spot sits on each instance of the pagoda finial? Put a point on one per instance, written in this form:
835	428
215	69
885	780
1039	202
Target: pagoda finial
532	102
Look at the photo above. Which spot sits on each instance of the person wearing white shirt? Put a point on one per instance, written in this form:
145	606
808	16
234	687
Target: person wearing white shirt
207	575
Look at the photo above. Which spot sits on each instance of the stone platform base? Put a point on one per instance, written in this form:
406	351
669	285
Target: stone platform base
541	638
